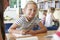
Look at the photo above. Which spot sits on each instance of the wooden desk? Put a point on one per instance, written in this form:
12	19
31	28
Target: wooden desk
40	36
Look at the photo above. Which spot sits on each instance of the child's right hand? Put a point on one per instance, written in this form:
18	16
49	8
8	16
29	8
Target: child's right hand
23	32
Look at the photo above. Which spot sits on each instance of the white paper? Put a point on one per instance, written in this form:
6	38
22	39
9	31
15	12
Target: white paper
55	37
28	38
49	36
20	35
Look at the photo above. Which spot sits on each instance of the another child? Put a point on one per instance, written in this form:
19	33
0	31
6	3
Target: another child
49	20
26	22
44	16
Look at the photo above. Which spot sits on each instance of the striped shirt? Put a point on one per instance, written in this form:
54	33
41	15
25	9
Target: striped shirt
24	24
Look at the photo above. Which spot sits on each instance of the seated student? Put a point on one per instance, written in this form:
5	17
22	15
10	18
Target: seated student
44	16
49	19
26	22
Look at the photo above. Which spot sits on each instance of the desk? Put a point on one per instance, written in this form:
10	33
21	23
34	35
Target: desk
40	36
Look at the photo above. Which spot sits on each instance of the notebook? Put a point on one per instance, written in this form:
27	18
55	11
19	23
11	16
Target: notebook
20	35
28	38
49	36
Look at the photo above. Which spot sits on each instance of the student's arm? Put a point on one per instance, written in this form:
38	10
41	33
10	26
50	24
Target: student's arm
43	29
12	29
54	18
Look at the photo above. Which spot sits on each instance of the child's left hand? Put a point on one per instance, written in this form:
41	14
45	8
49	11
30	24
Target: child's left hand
23	32
31	32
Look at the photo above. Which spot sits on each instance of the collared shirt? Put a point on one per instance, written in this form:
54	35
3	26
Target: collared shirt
24	24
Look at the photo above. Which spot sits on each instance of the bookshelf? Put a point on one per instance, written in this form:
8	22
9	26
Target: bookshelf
57	4
45	4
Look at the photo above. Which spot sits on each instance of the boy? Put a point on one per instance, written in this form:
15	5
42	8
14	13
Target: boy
49	19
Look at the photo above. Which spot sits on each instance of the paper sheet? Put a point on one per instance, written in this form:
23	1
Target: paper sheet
20	35
28	38
49	36
55	37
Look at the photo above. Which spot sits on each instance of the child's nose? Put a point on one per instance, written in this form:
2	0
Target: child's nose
32	11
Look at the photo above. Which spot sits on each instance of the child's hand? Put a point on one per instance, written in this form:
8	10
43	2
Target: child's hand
23	32
31	32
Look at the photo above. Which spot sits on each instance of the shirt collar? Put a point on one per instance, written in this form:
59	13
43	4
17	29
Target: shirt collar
28	20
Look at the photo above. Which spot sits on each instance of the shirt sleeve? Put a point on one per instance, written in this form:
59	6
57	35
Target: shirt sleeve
19	21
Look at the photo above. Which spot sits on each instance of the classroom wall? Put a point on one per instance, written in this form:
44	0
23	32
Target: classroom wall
57	14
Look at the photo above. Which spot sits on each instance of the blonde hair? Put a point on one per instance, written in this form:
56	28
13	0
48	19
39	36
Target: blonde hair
30	2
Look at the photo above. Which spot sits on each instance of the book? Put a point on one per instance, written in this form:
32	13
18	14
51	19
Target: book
21	35
28	38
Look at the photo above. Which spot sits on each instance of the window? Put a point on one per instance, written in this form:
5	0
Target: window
12	11
12	3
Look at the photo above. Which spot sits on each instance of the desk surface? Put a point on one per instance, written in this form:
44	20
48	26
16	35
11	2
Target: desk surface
40	36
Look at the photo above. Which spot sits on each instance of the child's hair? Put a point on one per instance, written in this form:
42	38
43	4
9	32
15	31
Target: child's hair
30	2
52	8
44	10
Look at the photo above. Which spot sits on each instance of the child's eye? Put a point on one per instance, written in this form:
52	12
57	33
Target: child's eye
34	10
30	9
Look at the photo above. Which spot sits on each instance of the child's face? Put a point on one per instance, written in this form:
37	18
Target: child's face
30	10
52	11
44	13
